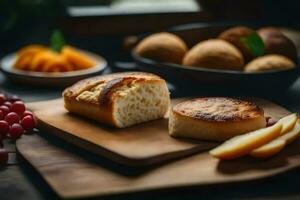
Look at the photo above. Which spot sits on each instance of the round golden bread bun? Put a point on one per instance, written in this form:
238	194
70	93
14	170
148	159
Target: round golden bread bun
214	54
233	35
215	118
163	47
269	63
277	43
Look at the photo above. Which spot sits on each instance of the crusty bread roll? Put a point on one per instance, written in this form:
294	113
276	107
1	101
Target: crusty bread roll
269	63
234	34
214	54
163	47
277	43
214	118
120	99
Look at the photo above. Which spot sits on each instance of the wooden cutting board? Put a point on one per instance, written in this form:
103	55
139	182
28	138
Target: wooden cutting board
140	145
73	175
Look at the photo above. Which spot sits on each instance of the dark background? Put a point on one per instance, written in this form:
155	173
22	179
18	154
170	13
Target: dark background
30	21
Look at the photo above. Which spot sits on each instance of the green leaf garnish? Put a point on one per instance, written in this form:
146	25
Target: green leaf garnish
57	41
254	43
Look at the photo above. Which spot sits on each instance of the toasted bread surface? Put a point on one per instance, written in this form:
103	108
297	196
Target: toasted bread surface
215	118
218	109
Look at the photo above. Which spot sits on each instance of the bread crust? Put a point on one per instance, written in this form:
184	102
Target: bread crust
105	97
218	109
215	118
99	106
85	84
270	62
163	47
277	43
214	54
233	36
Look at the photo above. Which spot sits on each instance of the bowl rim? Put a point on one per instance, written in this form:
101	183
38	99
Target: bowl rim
207	70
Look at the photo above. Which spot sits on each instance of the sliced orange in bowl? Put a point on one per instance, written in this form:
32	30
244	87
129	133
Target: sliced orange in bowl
26	54
57	64
41	59
78	59
32	49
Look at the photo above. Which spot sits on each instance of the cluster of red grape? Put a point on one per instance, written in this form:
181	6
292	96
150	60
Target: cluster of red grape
270	121
15	120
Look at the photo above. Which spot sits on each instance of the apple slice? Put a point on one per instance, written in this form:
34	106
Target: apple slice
269	149
288	123
293	134
277	144
243	144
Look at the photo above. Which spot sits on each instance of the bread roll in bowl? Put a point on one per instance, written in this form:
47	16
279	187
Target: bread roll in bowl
162	47
233	35
214	54
270	63
277	43
215	118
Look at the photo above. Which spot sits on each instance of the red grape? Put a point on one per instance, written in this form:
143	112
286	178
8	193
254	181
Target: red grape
271	122
2	99
3	156
8	104
4	109
14	98
15	131
12	118
18	107
28	122
4	128
26	113
1	115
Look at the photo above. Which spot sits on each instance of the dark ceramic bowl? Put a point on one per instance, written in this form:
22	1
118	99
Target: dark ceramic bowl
214	79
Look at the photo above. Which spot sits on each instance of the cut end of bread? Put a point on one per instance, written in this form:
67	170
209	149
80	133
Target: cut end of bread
141	102
119	100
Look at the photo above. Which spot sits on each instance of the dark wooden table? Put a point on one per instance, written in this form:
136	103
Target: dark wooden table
20	181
